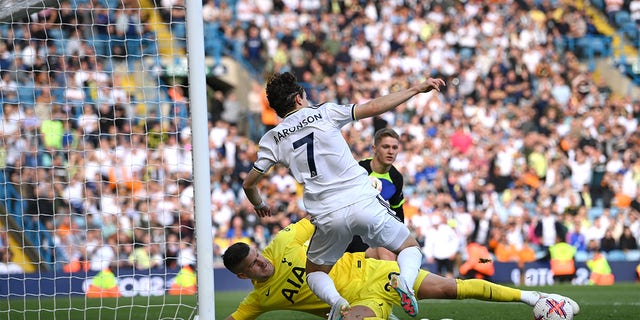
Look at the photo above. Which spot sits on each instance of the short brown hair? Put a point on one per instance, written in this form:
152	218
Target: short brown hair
384	132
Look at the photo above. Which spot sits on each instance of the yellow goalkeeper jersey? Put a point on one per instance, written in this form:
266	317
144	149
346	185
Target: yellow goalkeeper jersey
361	281
287	289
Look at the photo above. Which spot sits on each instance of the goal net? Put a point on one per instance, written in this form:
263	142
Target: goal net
96	216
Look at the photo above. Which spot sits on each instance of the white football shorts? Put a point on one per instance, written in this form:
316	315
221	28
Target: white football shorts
372	219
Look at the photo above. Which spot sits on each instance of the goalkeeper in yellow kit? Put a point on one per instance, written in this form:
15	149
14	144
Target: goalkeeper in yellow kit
278	277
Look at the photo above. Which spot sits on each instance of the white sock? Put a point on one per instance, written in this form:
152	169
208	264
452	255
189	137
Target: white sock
529	297
322	285
409	261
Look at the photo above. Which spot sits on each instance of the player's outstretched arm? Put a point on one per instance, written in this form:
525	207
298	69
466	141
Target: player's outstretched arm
250	186
386	103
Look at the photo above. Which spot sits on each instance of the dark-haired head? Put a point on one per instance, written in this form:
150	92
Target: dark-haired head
234	255
282	90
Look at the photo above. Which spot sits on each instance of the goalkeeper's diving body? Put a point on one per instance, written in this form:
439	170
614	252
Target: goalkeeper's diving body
278	277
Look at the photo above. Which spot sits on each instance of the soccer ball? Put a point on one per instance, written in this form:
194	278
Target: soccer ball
552	307
376	183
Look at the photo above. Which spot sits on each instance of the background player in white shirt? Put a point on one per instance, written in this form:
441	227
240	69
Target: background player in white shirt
337	191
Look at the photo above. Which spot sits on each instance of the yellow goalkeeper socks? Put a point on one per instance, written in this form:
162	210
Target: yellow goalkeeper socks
485	290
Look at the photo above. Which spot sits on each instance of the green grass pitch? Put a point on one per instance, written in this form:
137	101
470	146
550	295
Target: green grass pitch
621	301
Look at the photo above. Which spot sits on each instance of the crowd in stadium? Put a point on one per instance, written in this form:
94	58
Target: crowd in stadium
522	136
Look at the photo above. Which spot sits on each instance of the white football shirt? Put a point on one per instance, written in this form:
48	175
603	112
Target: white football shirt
309	142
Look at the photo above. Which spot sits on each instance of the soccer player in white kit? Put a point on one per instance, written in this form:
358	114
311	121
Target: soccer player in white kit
337	191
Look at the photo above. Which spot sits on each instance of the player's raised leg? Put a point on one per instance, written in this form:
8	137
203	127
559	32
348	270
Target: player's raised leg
321	284
409	256
326	246
378	226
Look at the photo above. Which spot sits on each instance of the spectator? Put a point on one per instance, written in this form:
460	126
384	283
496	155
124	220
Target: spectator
245	12
254	121
282	181
176	159
608	243
186	254
145	255
103	255
612	7
237	234
504	251
634	10
10	121
548	228
254	48
223	193
576	238
4	241
220	241
581	170
237	228
240	170
260	237
8	86
482	227
124	251
232	109
627	241
7	265
172	250
478	264
595	232
441	246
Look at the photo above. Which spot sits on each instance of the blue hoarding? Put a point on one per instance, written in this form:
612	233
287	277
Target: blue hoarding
156	282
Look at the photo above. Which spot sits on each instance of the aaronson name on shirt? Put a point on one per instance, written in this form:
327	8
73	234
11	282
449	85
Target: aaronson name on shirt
279	135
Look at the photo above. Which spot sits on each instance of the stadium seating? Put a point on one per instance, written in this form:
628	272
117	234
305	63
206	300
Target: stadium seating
27	94
616	255
588	48
595	212
581	256
598	4
630	30
35	233
632	255
622	17
629	34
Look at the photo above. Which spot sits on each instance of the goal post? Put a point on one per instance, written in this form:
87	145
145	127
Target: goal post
105	200
201	169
